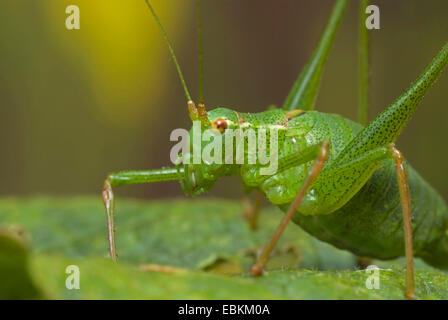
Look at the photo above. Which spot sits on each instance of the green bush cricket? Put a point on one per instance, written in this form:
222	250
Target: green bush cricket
343	182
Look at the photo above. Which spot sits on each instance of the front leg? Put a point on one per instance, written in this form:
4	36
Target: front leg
125	178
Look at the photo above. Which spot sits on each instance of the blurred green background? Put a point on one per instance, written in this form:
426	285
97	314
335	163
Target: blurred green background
77	104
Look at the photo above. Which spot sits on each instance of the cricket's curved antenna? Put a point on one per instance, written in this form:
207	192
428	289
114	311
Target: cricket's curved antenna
363	66
201	110
195	113
201	52
168	43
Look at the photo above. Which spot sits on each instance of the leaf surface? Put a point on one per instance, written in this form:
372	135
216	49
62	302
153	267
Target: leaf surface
201	249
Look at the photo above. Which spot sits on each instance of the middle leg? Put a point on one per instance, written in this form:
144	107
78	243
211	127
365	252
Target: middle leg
257	268
251	212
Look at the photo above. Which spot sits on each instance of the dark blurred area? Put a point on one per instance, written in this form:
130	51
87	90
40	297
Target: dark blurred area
75	105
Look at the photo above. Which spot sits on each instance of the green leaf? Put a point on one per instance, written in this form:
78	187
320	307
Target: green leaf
103	279
205	245
16	282
181	233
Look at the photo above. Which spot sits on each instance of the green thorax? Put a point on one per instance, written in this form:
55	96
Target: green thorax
295	132
301	132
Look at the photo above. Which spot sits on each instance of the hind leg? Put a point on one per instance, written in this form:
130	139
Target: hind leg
406	205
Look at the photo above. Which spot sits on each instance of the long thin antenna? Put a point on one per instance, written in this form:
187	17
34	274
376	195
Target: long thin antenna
363	64
182	80
201	52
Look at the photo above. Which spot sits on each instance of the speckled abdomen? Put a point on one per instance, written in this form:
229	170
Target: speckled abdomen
371	223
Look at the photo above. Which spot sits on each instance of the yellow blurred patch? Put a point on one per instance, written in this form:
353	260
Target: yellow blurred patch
121	52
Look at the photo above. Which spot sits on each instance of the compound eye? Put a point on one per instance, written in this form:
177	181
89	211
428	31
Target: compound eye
220	124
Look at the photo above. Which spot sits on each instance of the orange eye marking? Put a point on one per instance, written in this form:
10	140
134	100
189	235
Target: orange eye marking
220	124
